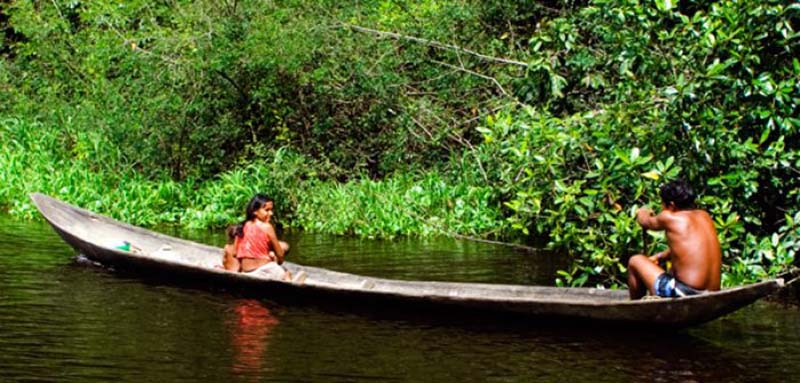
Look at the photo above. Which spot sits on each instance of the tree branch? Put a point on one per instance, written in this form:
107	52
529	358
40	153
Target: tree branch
483	76
435	44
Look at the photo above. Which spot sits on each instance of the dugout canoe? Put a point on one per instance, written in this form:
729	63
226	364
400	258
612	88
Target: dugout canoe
96	236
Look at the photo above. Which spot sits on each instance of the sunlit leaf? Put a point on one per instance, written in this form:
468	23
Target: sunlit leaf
653	175
664	5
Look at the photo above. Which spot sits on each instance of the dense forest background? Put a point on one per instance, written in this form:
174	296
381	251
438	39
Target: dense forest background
543	122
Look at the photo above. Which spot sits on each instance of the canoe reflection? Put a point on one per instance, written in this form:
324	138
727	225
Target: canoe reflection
254	324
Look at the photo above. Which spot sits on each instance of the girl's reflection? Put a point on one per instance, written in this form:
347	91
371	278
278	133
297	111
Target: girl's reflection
251	336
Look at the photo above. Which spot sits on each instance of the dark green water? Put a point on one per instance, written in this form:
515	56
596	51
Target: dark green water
66	321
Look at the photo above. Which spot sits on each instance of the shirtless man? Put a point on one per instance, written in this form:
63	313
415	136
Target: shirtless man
693	248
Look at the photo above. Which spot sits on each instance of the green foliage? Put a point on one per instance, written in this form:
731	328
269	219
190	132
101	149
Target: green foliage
637	93
186	88
33	159
578	181
179	111
401	205
281	174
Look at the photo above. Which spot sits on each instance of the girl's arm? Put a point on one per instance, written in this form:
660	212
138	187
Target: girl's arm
276	245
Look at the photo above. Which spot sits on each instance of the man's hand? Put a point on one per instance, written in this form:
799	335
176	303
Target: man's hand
643	213
657	257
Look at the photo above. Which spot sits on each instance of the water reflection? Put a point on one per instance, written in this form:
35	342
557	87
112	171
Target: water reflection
667	356
250	332
64	321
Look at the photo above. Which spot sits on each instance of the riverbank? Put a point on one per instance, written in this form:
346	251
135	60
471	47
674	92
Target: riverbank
482	118
425	204
415	205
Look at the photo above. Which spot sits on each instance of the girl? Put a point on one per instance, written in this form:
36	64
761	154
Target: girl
257	245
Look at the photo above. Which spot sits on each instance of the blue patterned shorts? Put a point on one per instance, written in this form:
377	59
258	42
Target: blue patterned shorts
667	286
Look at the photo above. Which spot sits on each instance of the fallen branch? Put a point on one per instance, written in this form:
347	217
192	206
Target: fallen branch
511	245
483	76
433	43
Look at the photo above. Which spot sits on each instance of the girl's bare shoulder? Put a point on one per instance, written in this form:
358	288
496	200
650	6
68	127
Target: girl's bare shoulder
265	226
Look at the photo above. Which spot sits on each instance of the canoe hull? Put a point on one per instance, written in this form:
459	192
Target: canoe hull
189	262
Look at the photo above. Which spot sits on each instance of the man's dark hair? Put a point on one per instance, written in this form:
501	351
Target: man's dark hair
679	193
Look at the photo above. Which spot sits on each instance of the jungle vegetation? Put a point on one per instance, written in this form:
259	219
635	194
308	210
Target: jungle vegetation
543	122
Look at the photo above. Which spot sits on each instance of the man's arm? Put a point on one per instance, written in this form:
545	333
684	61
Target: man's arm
649	221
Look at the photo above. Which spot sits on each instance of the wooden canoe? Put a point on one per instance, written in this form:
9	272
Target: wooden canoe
95	237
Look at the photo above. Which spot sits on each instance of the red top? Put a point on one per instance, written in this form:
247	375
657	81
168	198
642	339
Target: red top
254	244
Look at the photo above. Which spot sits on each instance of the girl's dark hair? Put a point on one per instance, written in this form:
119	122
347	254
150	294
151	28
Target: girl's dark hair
255	203
679	193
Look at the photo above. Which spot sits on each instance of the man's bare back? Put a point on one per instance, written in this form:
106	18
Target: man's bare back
694	249
693	245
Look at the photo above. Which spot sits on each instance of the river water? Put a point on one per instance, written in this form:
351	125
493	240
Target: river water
64	320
